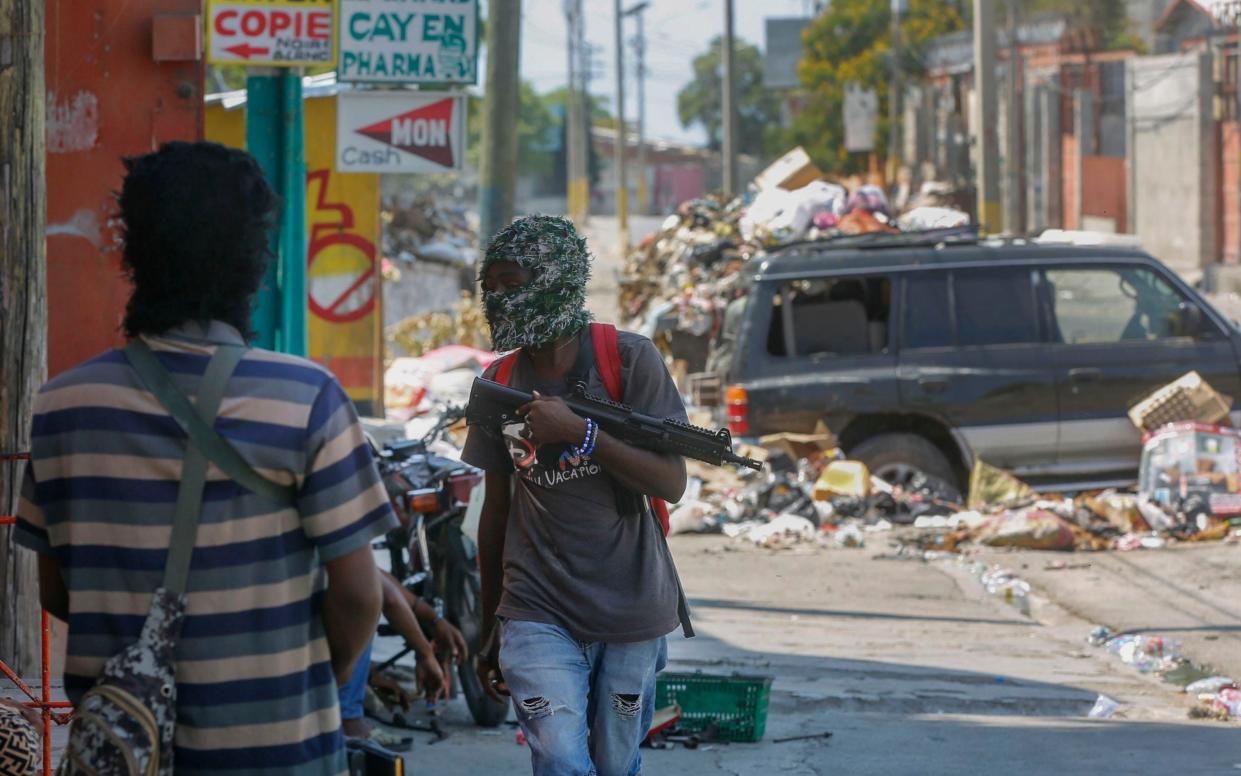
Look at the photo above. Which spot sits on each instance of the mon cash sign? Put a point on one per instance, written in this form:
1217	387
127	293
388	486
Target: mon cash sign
409	41
288	33
400	132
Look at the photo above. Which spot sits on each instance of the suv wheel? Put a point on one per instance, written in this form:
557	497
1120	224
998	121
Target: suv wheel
905	459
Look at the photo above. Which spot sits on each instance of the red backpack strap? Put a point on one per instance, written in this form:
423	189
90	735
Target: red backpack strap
661	511
504	369
607	359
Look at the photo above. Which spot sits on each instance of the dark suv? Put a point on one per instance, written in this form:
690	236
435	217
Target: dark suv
924	357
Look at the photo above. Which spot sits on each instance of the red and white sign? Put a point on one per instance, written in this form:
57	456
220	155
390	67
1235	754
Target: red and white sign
400	132
280	33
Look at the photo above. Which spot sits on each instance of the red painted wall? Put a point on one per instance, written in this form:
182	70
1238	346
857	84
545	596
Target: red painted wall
1068	197
106	98
1105	190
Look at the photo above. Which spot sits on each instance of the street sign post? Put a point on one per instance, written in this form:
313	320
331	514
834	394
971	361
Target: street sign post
270	32
400	132
409	41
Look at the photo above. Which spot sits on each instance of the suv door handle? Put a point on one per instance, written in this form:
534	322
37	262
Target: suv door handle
933	384
1087	374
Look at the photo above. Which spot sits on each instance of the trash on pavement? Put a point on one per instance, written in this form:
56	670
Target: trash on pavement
849	535
413	385
1144	652
1104	708
798	446
1210	685
1188	398
693	517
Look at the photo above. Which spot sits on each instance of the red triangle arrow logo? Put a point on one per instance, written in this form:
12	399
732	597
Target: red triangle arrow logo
424	132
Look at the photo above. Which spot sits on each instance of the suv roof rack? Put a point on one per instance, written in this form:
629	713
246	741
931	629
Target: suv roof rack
955	235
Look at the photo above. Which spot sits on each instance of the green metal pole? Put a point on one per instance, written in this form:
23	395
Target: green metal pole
275	136
293	220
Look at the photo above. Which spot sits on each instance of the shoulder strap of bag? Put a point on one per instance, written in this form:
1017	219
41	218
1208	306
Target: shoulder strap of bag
186	516
208	440
504	372
607	359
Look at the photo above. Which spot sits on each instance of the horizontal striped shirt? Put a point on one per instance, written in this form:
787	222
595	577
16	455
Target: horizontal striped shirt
255	690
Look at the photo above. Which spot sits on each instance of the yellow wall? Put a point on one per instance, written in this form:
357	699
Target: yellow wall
343	238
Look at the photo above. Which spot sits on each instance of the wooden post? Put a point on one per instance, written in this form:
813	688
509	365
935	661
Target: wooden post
23	305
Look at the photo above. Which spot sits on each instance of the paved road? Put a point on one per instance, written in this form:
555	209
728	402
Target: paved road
911	666
603	238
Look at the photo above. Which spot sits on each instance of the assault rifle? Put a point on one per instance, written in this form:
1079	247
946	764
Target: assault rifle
493	405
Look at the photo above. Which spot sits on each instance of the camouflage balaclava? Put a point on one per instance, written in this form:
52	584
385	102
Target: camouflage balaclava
553	303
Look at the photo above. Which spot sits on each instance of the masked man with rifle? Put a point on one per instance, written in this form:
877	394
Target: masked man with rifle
578	585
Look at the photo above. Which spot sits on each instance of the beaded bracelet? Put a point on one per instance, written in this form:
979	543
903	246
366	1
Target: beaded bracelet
588	444
593	437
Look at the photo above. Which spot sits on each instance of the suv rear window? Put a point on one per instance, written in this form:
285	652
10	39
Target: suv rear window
841	316
995	307
969	308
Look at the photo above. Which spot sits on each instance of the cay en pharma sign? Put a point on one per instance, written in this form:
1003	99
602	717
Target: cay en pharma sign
409	41
400	132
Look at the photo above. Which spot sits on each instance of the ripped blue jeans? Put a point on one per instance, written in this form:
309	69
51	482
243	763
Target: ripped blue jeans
585	708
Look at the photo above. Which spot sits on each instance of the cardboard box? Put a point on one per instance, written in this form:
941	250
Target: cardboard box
1188	399
791	171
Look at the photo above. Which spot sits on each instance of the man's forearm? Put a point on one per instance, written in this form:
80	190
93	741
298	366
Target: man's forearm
401	617
491	531
349	628
659	475
351	607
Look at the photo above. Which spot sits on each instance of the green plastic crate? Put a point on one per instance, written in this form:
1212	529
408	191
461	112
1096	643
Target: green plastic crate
736	704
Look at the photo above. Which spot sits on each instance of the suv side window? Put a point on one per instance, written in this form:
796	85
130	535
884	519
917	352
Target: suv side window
927	311
1092	305
995	307
840	316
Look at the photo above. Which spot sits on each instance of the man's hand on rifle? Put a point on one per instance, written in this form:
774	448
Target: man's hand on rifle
550	421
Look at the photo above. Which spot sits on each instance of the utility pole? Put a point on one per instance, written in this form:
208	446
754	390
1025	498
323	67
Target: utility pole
587	118
23	306
498	167
895	93
729	104
622	183
639	50
988	172
573	127
1013	190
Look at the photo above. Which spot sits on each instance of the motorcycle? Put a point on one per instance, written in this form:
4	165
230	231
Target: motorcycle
430	554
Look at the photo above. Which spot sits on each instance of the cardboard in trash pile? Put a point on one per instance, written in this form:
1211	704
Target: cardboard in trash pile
990	486
1189	398
791	171
799	446
1119	509
1183	463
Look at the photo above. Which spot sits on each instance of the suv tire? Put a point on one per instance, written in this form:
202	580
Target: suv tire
897	457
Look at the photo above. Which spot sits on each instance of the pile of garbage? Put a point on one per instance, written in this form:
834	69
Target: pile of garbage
680	279
1189	491
463	323
427	230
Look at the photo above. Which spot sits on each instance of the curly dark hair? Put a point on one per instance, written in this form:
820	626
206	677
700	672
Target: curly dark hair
197	217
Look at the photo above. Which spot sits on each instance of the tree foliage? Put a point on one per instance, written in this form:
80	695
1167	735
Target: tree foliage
536	131
850	42
758	109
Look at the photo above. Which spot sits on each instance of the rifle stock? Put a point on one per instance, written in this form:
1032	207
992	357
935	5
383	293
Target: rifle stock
493	405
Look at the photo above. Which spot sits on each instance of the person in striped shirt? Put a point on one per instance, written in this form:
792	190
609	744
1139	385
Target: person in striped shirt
282	599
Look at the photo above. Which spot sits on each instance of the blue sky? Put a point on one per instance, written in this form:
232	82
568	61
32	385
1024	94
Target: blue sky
677	31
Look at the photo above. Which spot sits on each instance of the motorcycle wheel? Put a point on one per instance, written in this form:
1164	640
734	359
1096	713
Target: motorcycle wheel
461	604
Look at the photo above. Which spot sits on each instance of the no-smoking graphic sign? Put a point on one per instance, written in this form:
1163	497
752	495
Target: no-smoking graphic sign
342	287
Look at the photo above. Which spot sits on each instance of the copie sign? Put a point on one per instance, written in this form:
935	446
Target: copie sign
399	132
270	33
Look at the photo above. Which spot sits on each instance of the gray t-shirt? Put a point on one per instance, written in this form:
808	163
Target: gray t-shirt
575	554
